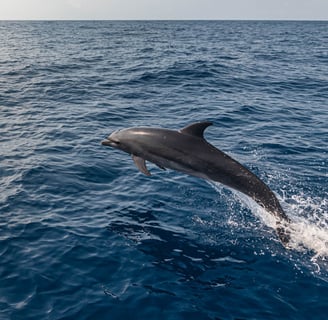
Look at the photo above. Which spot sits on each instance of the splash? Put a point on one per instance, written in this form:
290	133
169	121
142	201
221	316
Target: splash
309	221
309	227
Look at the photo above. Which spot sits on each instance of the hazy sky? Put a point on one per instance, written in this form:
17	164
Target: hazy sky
164	9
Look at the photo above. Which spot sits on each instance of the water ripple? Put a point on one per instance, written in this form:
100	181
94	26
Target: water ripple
84	235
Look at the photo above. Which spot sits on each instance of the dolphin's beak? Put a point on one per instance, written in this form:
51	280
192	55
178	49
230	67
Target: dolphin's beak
106	142
110	142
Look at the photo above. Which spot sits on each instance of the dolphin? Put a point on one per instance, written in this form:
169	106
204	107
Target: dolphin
187	151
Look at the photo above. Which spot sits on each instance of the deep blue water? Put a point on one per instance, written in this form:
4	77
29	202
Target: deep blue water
85	235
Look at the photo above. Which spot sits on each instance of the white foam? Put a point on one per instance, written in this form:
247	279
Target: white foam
309	227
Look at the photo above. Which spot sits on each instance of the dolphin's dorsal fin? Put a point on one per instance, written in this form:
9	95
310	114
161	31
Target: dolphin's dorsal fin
141	164
196	129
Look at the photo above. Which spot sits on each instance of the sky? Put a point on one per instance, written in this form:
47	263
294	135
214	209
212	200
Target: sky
163	9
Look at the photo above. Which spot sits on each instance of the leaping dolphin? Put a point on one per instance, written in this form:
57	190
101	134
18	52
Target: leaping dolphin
187	151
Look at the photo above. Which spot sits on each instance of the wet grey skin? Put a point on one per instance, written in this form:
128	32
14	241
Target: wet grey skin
187	151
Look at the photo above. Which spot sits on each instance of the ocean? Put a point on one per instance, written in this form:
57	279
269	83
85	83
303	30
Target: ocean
85	235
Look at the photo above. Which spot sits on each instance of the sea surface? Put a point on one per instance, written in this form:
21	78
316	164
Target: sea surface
85	235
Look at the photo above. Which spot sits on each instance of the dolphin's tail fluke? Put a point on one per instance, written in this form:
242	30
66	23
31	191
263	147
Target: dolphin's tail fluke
282	219
268	200
283	233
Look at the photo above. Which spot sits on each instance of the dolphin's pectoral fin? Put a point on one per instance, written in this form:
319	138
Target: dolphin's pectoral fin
196	129
141	165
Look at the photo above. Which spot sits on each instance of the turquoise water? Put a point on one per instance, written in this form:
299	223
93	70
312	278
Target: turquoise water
84	235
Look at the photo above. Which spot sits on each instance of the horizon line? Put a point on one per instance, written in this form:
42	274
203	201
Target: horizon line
148	19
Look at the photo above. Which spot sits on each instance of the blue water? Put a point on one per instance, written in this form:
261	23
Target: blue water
85	235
